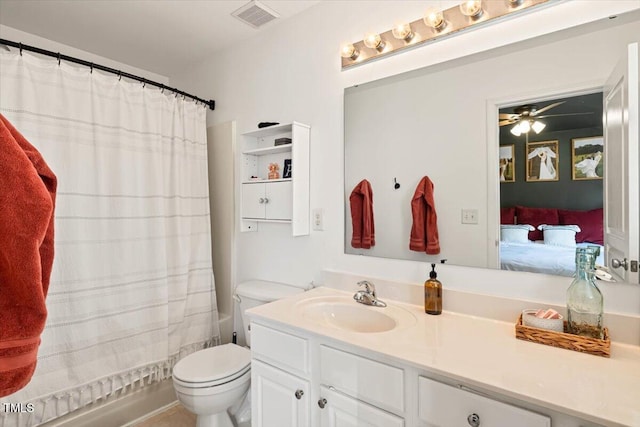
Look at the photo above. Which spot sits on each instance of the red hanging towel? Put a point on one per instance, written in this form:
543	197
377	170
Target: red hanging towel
27	201
424	231
361	201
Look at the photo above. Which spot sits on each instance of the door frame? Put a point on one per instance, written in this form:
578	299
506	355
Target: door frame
493	143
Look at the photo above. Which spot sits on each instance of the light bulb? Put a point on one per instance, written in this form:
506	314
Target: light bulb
374	41
471	8
537	126
516	130
403	32
434	18
515	3
525	126
349	51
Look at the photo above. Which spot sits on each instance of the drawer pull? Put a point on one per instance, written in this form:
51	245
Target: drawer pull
322	403
299	394
474	420
261	200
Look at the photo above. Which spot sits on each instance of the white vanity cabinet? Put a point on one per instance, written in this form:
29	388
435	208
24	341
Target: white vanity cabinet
281	200
442	405
280	386
338	410
278	398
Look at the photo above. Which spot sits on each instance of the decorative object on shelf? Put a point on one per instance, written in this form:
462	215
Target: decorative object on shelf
584	299
436	23
282	141
587	158
267	124
542	161
507	163
286	172
565	340
273	171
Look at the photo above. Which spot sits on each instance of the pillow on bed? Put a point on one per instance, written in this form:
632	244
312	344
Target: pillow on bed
515	233
559	235
591	224
535	217
508	215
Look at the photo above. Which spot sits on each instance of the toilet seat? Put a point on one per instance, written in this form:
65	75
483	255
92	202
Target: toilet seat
212	366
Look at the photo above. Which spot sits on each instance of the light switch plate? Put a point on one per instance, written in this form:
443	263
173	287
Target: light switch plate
469	216
318	219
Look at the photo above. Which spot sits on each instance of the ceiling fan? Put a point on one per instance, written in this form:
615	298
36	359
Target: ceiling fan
526	117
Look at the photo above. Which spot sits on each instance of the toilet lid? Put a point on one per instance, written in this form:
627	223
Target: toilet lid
212	364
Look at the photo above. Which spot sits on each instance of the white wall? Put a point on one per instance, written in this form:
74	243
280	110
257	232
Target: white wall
18	36
292	72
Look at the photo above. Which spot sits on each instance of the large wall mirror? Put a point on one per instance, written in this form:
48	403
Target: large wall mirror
433	122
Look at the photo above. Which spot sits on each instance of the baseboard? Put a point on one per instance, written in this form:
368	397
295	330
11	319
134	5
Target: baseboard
124	411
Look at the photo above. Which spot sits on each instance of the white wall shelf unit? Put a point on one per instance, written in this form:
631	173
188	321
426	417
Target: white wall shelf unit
283	200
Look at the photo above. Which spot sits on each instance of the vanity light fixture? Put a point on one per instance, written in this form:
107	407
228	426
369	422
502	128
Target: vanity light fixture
403	32
435	23
374	41
434	18
472	8
349	51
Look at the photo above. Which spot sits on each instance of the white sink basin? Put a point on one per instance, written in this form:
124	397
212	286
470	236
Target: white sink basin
342	312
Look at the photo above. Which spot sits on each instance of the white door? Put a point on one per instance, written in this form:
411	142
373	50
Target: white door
278	200
621	129
338	410
279	399
253	200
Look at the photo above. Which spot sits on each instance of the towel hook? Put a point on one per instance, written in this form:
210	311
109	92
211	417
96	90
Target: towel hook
20	48
58	58
119	75
396	184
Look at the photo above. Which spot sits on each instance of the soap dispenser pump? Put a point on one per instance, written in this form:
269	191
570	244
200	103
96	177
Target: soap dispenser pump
433	293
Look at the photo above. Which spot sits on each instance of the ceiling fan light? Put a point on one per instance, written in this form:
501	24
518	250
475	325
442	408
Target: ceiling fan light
525	126
516	130
537	126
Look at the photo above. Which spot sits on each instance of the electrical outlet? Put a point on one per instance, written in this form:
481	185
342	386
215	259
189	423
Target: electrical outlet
318	219
469	216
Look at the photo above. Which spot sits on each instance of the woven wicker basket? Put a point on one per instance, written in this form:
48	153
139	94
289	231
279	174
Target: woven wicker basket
565	340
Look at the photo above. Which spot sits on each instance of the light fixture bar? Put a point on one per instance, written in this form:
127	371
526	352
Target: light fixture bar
455	22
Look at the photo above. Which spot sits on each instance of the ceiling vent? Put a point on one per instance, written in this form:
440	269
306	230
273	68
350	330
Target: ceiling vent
255	14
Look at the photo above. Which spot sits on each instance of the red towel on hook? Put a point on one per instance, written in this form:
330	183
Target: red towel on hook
361	201
27	201
424	231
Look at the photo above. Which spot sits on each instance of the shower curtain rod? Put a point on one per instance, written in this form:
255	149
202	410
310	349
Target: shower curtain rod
211	103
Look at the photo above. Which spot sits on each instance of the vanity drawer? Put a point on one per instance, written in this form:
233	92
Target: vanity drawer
365	379
441	405
280	349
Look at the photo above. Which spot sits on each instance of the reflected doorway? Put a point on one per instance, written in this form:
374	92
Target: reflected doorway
551	182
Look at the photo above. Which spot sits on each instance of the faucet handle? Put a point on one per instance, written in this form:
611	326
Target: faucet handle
369	287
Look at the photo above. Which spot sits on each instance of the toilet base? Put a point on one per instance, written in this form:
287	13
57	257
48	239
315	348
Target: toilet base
220	419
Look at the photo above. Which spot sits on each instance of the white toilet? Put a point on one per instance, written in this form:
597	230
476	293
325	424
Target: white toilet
210	381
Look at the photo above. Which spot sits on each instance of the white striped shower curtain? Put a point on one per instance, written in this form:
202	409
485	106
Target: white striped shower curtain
132	285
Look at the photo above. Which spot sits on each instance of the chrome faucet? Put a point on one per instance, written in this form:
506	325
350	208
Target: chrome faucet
368	295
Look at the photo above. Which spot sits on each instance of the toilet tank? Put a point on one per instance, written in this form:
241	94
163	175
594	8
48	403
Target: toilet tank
253	293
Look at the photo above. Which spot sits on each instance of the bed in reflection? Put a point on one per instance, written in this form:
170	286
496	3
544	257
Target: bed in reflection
544	240
537	257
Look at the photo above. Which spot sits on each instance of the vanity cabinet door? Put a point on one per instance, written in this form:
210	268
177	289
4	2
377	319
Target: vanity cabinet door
441	405
338	410
278	398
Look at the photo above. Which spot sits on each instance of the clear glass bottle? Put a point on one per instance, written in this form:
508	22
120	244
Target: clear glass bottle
584	299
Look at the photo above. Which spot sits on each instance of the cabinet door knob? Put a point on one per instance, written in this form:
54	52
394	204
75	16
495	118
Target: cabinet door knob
266	200
474	420
322	403
299	394
261	200
616	263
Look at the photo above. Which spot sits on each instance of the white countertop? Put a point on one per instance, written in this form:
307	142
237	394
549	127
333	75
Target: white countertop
485	353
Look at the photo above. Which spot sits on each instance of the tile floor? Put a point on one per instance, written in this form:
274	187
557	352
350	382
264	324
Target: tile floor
175	416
